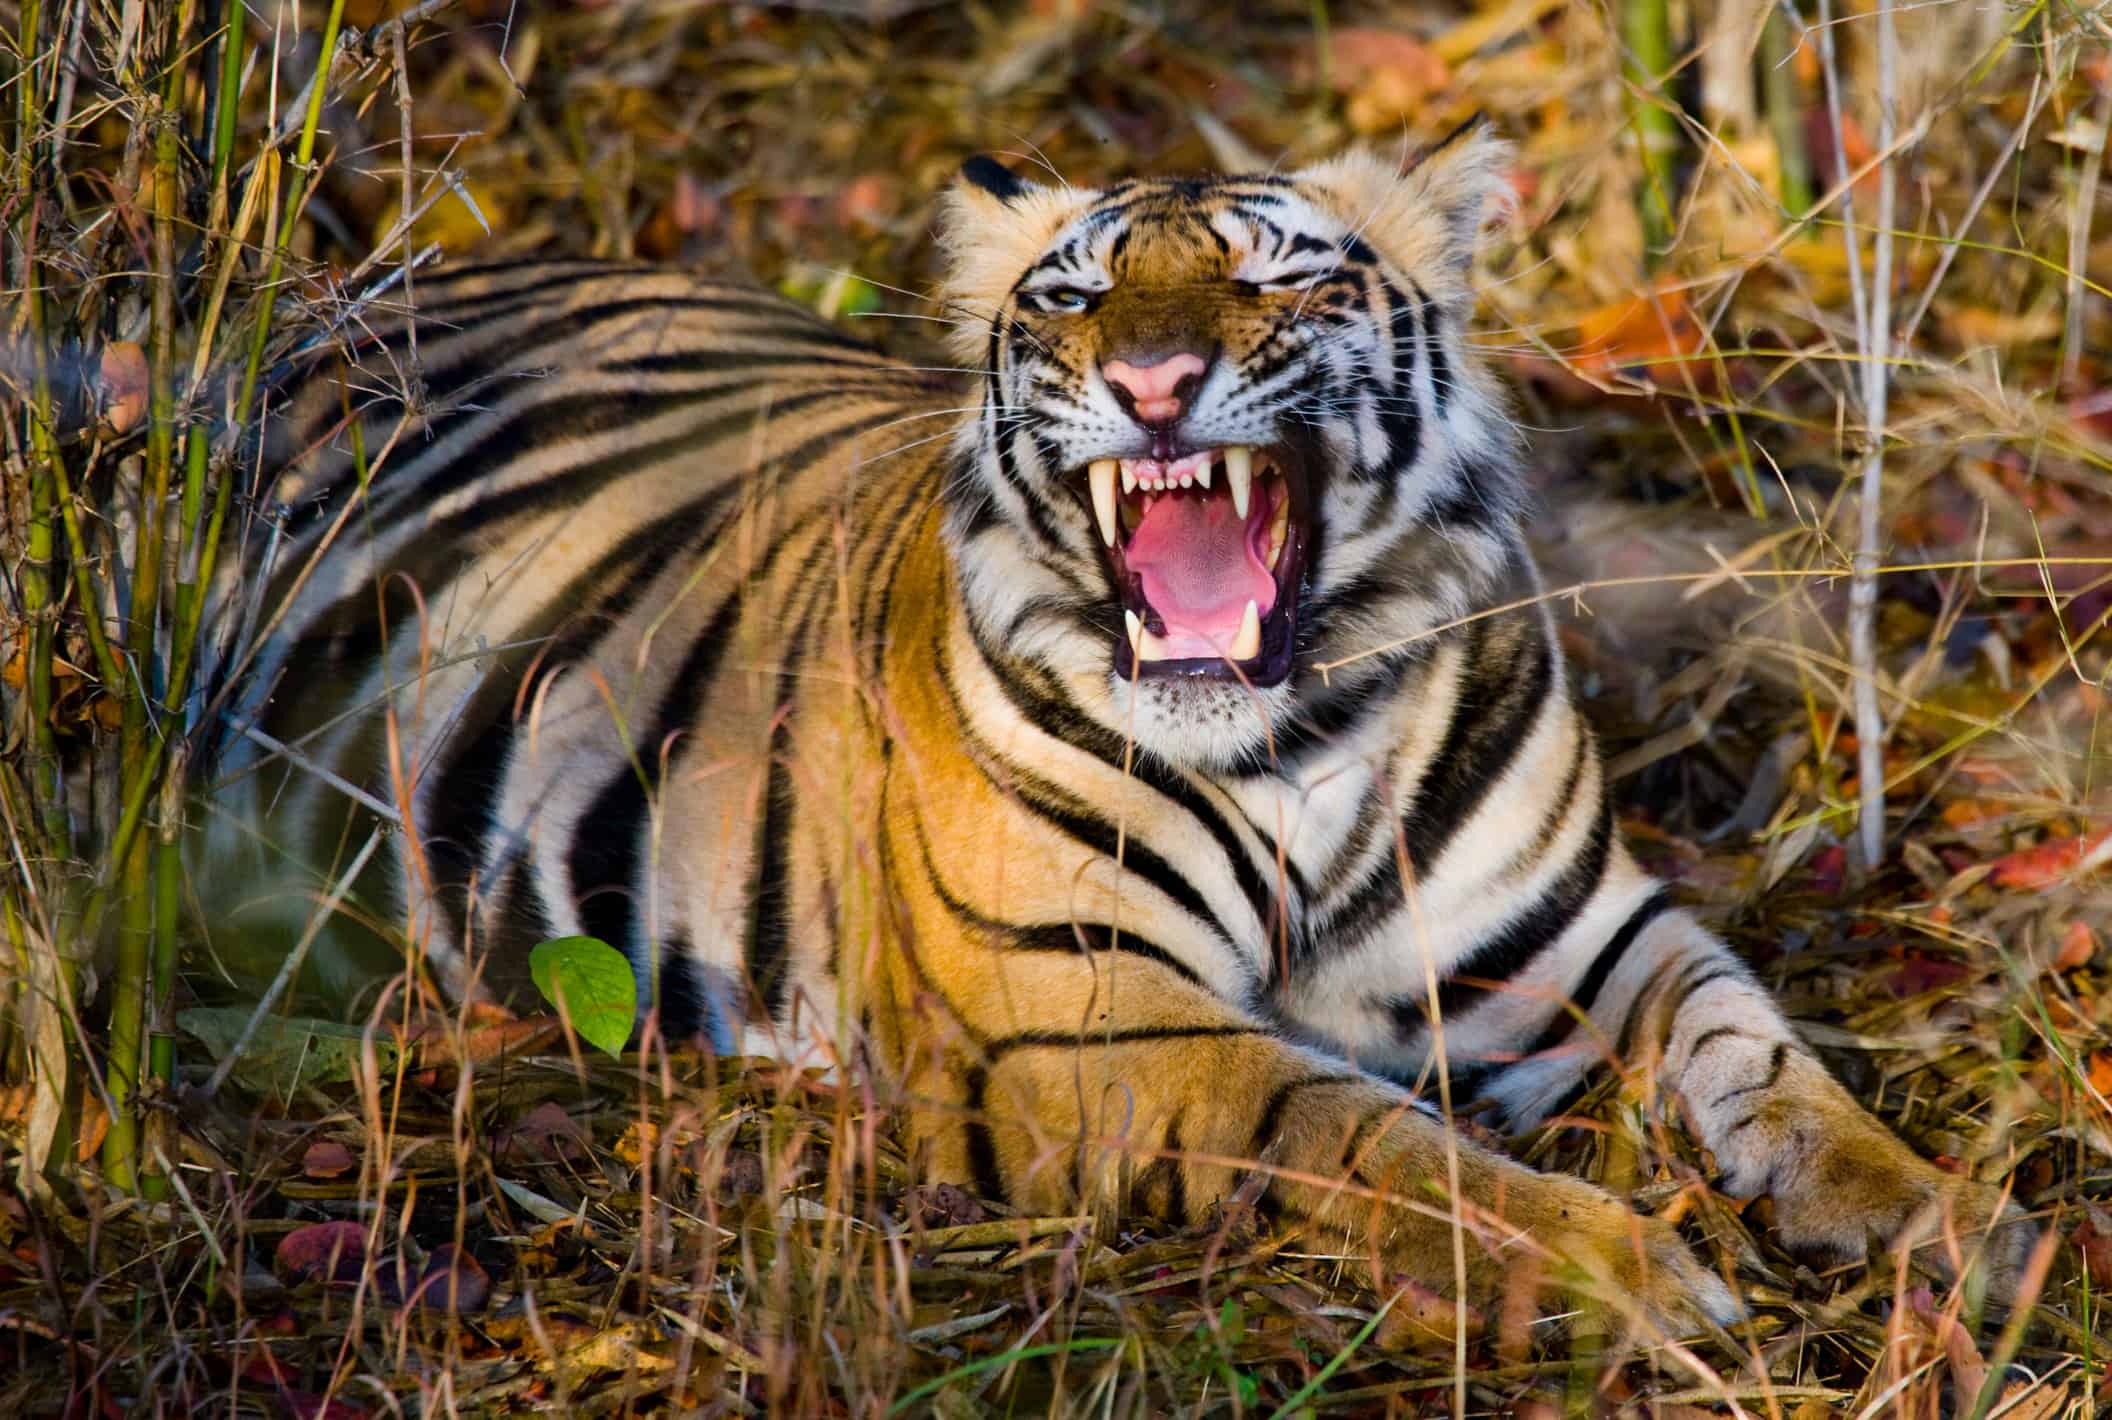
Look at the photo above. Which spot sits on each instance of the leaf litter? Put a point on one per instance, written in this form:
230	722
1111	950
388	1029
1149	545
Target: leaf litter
459	1213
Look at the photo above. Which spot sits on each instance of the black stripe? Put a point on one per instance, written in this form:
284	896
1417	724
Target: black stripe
1176	1172
1494	704
1512	951
1433	347
1503	690
1709	1037
459	822
686	1008
770	881
1050	710
350	630
1069	937
1608	957
982	1146
601	854
1064	810
1775	1060
1089	1039
1271	1120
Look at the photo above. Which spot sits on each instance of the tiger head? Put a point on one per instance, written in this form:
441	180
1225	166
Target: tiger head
1229	434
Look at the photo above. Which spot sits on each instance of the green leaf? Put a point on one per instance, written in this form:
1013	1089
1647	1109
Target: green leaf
592	983
285	1051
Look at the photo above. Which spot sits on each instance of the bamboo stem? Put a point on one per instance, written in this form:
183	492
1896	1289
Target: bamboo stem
1646	55
1785	112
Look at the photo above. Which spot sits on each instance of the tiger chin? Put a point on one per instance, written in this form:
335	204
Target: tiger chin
1151	776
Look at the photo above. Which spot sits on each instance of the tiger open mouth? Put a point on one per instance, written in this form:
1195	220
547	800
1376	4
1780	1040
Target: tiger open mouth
1206	552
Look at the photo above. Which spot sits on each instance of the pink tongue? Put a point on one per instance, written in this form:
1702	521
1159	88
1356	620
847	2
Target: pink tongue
1200	564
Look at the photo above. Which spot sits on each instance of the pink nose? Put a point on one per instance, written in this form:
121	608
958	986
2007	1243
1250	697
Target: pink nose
1151	387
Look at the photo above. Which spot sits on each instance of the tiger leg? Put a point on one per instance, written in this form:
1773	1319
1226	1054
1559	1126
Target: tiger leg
1195	1095
1778	1123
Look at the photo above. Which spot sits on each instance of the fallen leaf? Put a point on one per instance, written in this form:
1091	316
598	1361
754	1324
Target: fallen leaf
453	1281
545	1133
326	1158
2045	863
1918	974
2101	1072
1643	339
2093	1242
334	1252
2078	946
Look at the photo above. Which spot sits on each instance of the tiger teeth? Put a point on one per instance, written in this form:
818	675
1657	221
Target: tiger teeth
1203	474
1102	474
1239	476
1129	477
1247	644
1143	645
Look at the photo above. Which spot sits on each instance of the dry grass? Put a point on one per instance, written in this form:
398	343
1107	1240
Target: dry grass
672	1232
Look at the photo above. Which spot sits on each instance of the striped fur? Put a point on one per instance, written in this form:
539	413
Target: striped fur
707	631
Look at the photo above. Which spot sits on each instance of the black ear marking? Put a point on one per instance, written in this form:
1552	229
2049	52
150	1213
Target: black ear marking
1476	125
992	177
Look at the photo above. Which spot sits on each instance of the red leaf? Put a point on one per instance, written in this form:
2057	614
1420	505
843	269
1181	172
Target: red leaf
326	1158
1918	974
2047	863
334	1252
2078	945
543	1133
453	1281
2093	1241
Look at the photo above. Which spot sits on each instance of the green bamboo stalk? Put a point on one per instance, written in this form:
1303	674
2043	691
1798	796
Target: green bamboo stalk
1784	98
136	946
39	605
1646	56
137	793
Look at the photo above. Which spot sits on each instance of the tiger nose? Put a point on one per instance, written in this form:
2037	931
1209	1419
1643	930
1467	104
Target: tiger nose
1155	390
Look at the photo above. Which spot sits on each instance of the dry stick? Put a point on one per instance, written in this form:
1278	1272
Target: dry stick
2079	238
1877	378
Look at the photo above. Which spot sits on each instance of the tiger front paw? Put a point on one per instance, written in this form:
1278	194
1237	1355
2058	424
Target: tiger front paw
1862	1197
1641	1270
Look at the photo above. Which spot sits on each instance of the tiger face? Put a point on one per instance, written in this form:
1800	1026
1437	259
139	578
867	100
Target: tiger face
1228	434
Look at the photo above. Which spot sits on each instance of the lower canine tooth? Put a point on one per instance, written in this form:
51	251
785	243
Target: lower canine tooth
1247	644
1239	476
1102	475
1135	625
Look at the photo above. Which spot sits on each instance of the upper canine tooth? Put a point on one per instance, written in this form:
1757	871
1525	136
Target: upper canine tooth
1102	474
1247	644
1239	476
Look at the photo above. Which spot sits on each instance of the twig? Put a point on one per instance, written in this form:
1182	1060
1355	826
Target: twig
1877	379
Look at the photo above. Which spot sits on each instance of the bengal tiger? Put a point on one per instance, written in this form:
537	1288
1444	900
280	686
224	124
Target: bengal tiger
1149	755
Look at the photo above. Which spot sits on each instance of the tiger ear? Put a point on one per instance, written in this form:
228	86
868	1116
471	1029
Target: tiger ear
993	177
993	225
1426	217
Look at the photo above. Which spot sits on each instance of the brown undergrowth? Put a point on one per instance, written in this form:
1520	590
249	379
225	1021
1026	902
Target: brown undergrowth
476	1218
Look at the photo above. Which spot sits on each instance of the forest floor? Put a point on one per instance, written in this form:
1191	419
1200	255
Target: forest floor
485	1220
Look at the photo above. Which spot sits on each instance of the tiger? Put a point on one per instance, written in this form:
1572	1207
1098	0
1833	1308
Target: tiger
1144	745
